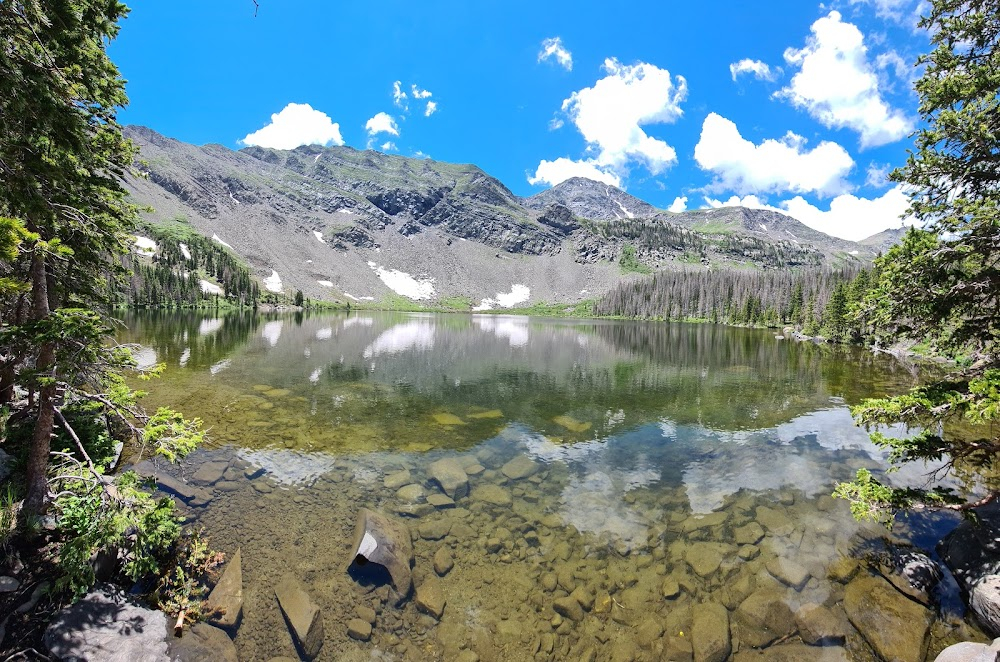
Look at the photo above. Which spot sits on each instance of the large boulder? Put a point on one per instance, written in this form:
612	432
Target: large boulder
107	626
385	541
304	617
894	625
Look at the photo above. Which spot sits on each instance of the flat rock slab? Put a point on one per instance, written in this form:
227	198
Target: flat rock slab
520	467
303	615
107	626
225	602
894	625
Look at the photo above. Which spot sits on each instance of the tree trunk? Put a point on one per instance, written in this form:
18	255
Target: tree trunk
38	453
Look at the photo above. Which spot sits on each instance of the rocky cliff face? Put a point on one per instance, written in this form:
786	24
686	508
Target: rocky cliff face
347	224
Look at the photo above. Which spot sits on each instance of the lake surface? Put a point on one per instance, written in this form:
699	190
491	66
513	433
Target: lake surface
619	476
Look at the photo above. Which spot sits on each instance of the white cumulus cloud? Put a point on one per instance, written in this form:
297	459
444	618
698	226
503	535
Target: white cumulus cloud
679	204
553	172
431	108
553	48
610	116
382	123
398	95
420	94
296	124
760	70
849	217
774	165
837	85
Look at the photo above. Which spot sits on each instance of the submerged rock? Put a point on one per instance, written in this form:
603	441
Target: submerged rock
569	608
385	541
492	494
443	561
430	598
359	629
397	480
710	637
763	618
520	467
819	625
450	475
225	602
201	642
788	572
302	614
894	625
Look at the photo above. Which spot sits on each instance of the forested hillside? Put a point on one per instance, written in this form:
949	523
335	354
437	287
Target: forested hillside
194	271
816	300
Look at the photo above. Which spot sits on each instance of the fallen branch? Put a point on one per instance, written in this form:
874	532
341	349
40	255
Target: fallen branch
179	625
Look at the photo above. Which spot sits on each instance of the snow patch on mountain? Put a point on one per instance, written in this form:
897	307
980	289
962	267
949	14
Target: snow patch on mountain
273	282
210	288
518	294
403	283
145	246
218	240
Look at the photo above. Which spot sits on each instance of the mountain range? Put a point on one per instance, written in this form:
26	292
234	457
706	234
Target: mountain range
343	224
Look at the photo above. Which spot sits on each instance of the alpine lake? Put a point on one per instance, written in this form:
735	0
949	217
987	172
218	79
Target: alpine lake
626	490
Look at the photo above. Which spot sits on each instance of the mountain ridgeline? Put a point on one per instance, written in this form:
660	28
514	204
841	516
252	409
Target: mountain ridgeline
346	225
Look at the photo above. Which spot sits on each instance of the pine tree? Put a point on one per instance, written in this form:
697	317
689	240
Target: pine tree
942	283
62	159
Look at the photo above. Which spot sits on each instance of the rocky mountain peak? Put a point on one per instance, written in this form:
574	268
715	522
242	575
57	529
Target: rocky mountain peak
588	198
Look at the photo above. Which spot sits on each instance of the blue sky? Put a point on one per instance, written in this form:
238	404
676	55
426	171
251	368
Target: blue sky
787	104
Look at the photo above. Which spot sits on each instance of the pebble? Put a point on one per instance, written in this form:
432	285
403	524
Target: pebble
9	584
